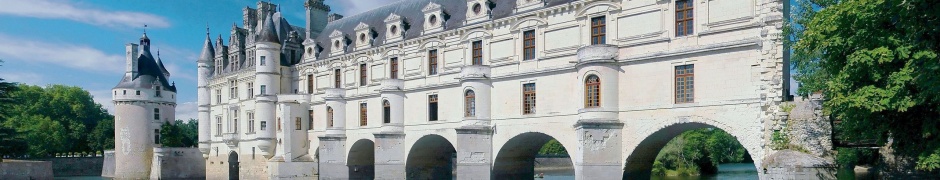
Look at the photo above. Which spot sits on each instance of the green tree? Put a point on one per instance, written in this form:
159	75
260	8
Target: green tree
11	143
179	134
553	147
699	152
55	119
876	63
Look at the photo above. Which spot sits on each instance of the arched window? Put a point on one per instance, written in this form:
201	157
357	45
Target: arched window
592	91
156	114
386	112
329	116
469	104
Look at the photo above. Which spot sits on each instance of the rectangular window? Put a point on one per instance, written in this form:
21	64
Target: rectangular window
251	122
310	84
297	124
138	92
363	115
432	62
386	112
310	119
528	45
363	78
336	79
156	114
251	90
231	90
218	125
263	89
477	52
234	121
278	124
685	84
156	136
598	30
262	61
264	125
432	107
218	96
528	98
157	92
684	25
393	67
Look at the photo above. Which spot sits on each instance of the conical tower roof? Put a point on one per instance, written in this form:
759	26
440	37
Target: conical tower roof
268	31
208	52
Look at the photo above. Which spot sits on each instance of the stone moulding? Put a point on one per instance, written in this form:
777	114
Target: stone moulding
599	53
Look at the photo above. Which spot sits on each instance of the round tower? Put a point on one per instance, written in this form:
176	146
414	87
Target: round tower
204	69
267	82
143	100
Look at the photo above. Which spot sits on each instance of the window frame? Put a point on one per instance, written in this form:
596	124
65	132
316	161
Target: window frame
363	75
592	91
684	26
684	81
329	116
469	103
599	30
251	122
432	62
528	45
433	108
386	111
310	83
528	98
298	124
156	114
363	114
476	52
262	62
337	77
393	68
310	120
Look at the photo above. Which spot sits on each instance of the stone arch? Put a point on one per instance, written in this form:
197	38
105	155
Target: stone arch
639	162
430	157
516	158
361	160
528	22
598	7
476	34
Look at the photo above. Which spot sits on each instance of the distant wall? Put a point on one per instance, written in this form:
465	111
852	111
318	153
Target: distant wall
177	163
19	169
107	169
553	164
75	166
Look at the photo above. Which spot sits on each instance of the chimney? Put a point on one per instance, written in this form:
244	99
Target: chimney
333	17
131	50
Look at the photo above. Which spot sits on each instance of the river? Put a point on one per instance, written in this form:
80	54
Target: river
731	171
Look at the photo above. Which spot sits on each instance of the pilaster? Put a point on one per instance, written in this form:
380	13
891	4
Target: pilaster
390	155
474	152
600	154
333	157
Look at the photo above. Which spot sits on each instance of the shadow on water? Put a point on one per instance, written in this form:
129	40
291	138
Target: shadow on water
732	171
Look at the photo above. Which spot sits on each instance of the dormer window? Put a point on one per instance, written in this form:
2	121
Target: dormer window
339	42
479	10
435	18
365	35
395	26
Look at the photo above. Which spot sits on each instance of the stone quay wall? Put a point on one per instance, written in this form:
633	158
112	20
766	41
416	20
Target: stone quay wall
22	169
177	163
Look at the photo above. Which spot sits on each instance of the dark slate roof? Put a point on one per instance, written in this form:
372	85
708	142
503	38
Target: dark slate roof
268	31
148	72
208	52
160	64
411	12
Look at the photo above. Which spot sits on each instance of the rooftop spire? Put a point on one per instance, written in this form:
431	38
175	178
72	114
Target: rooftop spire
268	31
208	52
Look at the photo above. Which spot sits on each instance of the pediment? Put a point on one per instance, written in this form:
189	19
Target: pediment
432	7
362	26
336	34
392	17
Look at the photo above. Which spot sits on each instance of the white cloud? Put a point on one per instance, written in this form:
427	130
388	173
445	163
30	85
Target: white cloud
103	97
73	56
64	10
358	6
187	110
22	77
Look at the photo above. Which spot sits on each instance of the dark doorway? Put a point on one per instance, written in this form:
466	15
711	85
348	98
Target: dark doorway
361	160
233	166
431	157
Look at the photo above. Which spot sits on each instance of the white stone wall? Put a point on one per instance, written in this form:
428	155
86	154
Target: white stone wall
737	73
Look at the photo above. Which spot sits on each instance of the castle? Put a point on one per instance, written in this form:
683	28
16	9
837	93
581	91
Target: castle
427	89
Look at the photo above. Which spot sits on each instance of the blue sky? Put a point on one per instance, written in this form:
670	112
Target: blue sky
81	43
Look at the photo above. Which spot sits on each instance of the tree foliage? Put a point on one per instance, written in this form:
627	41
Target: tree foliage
699	151
553	147
11	144
179	134
57	119
876	62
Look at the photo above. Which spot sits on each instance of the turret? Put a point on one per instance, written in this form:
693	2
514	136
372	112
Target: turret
160	64
317	13
143	100
204	64
267	83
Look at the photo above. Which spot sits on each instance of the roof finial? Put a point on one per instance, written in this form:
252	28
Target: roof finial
158	53
207	28
145	28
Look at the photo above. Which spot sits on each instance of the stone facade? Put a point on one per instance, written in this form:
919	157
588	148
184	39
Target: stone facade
439	86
